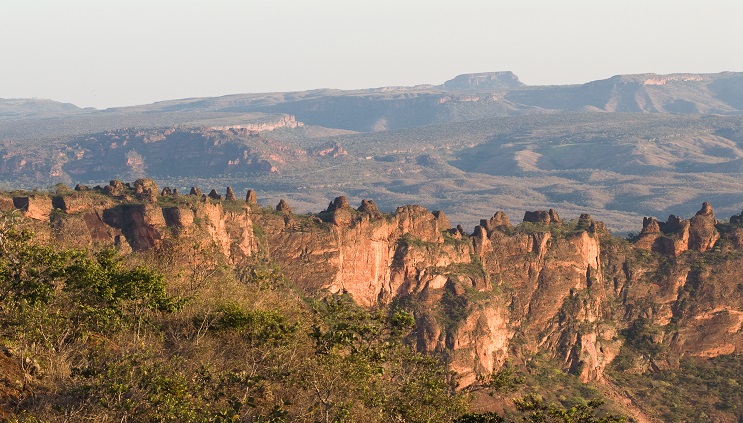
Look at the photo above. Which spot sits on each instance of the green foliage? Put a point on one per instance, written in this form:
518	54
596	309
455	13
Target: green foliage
699	390
488	417
504	379
454	309
106	294
257	326
246	347
449	239
536	410
29	273
559	230
641	337
403	384
413	241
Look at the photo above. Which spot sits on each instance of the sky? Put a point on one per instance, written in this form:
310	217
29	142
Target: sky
106	53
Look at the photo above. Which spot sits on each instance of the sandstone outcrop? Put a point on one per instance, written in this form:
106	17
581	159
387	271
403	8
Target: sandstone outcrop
283	207
340	211
37	207
146	190
113	189
251	198
6	204
702	231
369	207
230	195
677	235
500	294
499	221
542	216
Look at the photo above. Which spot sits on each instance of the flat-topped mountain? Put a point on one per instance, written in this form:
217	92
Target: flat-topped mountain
650	93
467	96
485	81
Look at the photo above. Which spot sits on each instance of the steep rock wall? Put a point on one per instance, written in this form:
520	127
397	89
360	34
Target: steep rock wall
565	289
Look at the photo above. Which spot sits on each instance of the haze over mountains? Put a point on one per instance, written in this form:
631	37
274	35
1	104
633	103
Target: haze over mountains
618	148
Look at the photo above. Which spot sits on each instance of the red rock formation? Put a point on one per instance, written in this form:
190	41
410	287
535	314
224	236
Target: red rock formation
702	231
499	221
6	204
283	207
251	198
677	235
37	207
542	216
566	295
146	190
230	195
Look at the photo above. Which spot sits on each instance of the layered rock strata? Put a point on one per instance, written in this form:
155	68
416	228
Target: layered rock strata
567	289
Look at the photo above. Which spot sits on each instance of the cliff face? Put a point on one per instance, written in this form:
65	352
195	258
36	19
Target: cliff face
566	289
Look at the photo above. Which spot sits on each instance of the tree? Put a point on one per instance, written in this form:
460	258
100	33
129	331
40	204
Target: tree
106	294
537	411
29	273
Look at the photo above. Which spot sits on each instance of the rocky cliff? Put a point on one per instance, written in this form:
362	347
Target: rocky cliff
565	289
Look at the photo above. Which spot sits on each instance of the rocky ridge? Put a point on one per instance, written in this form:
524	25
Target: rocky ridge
565	289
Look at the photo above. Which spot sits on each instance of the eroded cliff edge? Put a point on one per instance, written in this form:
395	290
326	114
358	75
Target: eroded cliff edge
568	290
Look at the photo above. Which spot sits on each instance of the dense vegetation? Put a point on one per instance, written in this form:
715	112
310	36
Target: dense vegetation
697	390
162	336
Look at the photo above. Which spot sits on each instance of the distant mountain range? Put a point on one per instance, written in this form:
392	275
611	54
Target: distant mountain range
631	143
464	97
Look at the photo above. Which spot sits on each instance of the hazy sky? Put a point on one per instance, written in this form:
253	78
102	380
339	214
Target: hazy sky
105	53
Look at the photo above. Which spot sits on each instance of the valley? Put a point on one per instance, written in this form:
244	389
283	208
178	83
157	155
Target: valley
475	249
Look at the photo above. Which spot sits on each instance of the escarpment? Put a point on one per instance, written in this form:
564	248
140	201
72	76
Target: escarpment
565	289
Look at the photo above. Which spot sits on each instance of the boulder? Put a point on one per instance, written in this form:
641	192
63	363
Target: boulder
498	221
341	212
251	198
673	225
554	218
338	204
73	203
283	207
650	226
442	220
196	191
37	207
419	222
114	188
6	204
230	195
702	231
538	216
214	195
585	222
370	207
146	189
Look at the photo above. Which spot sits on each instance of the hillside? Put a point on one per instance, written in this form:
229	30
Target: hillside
618	148
552	305
615	166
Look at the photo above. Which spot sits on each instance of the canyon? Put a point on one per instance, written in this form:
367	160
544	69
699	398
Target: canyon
501	293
